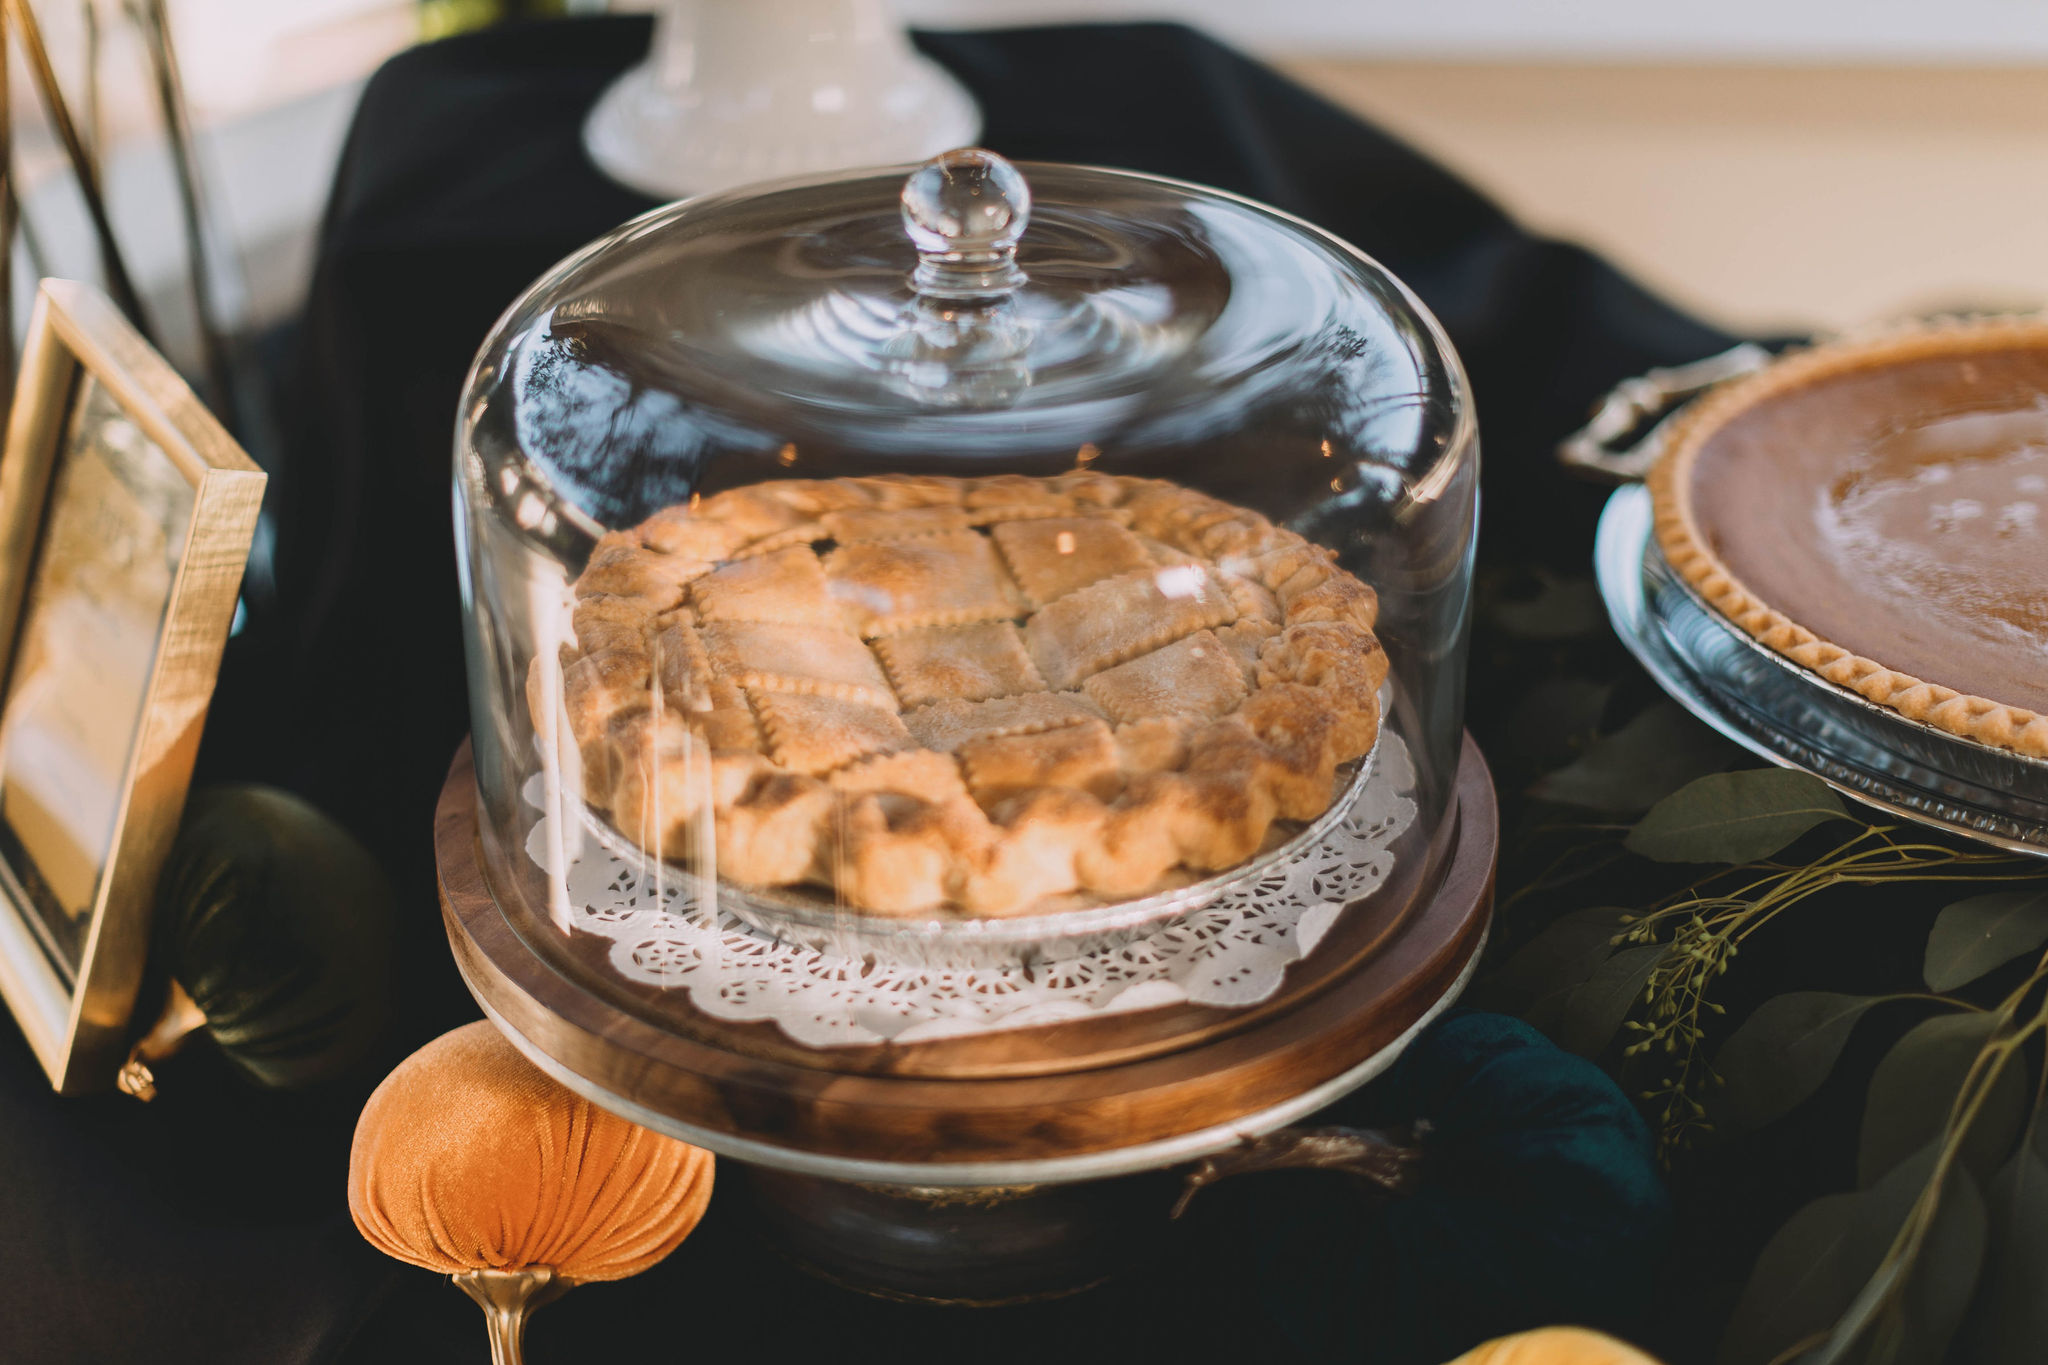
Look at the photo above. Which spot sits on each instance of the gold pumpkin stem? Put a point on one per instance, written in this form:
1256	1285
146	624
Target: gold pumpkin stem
508	1298
179	1021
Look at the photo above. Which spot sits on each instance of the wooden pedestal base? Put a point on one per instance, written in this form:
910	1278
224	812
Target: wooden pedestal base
983	1248
994	1119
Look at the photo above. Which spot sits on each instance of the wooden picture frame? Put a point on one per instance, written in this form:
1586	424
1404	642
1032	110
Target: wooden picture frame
126	516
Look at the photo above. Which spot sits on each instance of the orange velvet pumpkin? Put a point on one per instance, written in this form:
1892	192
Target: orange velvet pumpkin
1555	1346
467	1158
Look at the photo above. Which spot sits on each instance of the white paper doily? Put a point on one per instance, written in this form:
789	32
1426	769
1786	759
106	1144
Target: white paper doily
1231	952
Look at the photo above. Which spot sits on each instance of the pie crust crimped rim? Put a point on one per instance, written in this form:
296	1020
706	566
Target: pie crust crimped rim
978	940
1688	550
1309	654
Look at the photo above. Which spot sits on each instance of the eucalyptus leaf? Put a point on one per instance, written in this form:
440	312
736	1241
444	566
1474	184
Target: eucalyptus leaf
1914	1087
1568	951
1736	817
2009	1320
1594	1012
1983	933
1817	1266
1546	1014
1916	1324
1658	751
1809	1273
1781	1054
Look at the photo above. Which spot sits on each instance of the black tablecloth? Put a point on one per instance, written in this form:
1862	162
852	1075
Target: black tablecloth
211	1225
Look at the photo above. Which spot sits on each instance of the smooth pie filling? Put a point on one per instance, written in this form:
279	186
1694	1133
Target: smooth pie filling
1879	513
965	694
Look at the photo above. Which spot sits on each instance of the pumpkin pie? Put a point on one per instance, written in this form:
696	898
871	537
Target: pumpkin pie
1876	510
964	695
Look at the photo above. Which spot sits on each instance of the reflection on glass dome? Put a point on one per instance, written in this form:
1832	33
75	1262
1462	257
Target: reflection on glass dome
995	545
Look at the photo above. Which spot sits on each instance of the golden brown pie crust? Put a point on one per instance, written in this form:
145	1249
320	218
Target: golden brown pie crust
964	694
1689	547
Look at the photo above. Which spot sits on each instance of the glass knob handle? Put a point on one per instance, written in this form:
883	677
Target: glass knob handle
965	211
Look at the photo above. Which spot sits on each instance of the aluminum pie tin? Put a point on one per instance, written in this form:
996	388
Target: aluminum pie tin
1797	719
808	918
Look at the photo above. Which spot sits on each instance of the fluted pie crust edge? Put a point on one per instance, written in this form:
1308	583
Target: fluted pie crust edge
963	695
1689	550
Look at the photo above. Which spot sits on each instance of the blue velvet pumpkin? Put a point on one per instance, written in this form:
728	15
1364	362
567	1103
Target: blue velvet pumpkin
1539	1201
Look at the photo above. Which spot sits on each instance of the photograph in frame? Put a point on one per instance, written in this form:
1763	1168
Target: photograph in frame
126	515
94	606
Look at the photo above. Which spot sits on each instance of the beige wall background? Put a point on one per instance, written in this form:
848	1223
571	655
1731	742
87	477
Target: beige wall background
1763	196
1772	163
1907	32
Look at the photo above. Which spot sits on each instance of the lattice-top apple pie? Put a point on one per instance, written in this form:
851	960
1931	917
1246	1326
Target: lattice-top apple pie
970	695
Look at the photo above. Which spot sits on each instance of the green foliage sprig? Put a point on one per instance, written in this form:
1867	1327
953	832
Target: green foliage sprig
1652	974
1949	1226
1702	927
1939	1251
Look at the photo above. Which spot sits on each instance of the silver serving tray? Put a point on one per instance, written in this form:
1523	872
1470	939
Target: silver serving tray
1797	719
809	918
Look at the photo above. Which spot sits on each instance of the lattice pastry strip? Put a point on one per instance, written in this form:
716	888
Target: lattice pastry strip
893	523
946	725
813	735
803	536
787	588
1053	556
884	587
1197	675
823	661
621	567
966	663
1120	618
719	527
1014	491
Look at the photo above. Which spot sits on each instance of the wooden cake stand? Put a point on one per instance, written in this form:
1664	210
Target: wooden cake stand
984	1169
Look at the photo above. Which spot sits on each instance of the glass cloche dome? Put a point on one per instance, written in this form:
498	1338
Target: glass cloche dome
960	543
